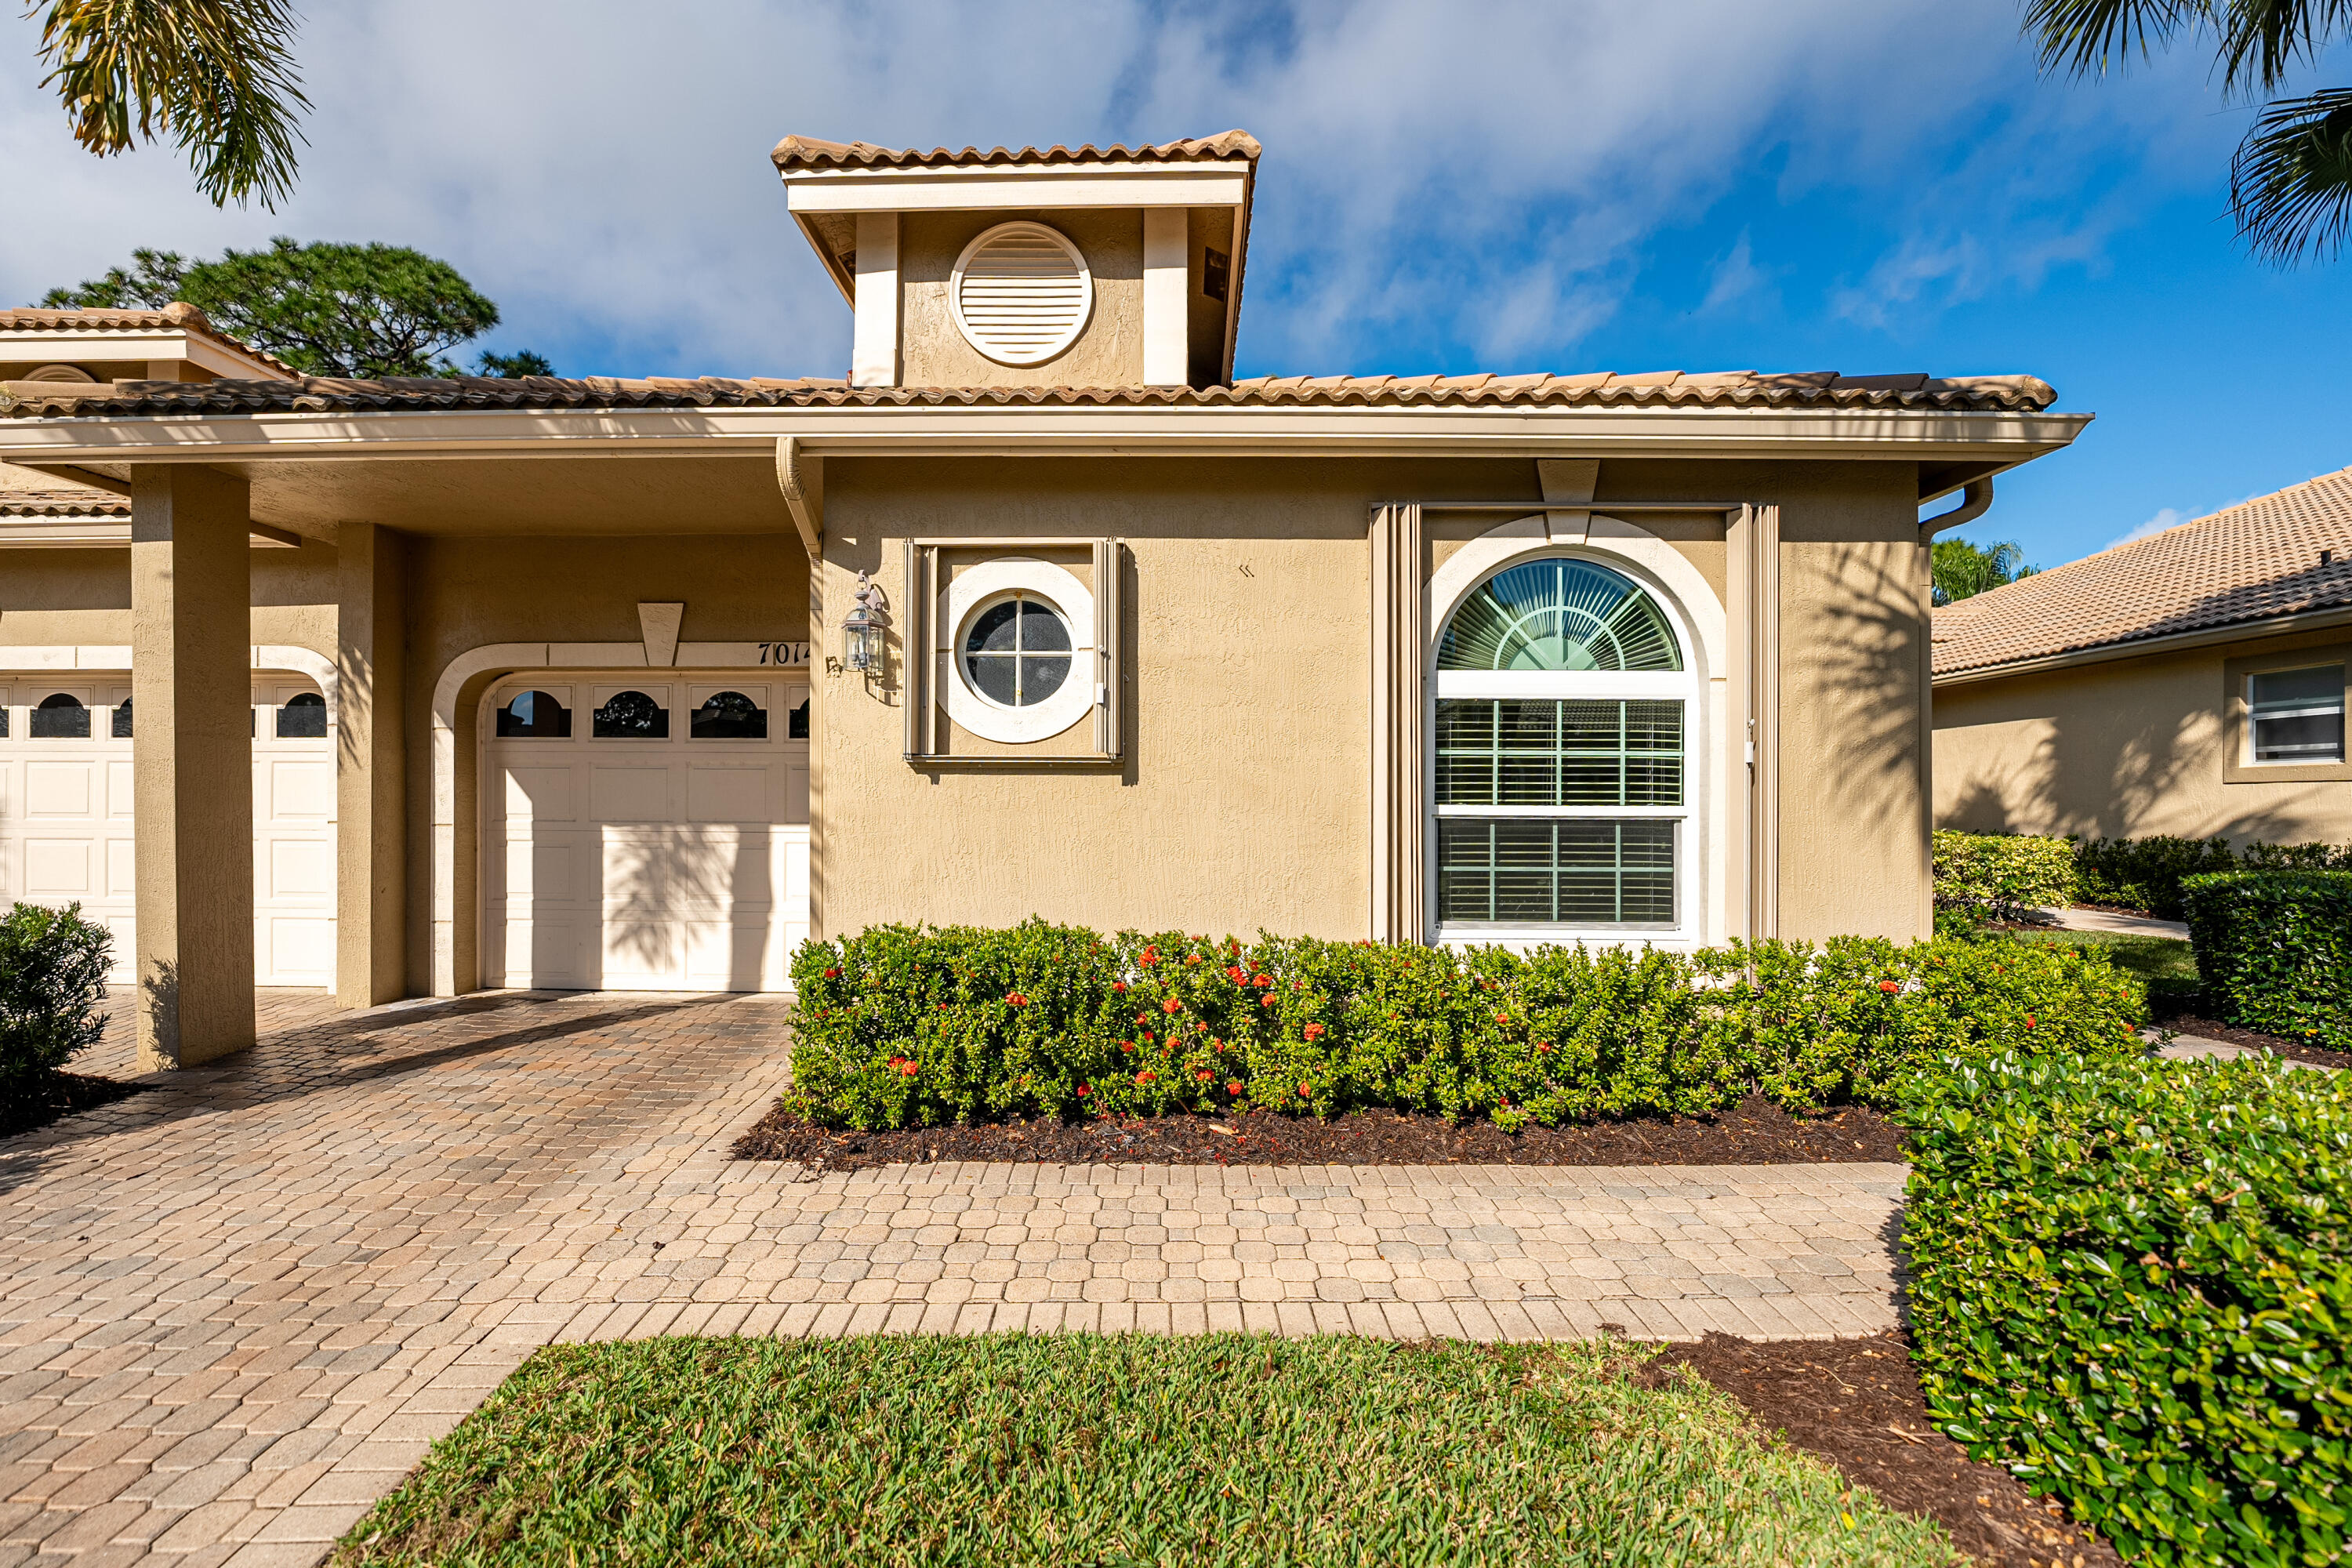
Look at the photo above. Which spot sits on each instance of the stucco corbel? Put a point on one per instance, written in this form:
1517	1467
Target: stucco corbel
800	477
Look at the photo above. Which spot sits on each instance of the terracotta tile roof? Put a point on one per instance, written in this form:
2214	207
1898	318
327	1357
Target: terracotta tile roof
809	153
2252	561
63	504
177	316
1734	389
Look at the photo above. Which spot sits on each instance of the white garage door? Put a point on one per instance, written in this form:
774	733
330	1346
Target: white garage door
66	825
643	834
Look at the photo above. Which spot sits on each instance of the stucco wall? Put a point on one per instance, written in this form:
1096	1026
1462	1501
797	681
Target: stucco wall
468	593
60	596
2123	749
1108	352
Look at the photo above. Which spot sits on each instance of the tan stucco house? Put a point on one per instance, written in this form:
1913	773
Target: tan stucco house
449	684
2191	683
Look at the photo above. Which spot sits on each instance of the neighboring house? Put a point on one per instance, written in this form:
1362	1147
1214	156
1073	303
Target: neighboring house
1471	659
2192	682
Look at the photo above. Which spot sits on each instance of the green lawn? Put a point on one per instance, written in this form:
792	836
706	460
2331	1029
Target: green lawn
1129	1449
2165	962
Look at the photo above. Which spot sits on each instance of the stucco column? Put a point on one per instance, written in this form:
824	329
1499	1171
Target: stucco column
370	762
191	764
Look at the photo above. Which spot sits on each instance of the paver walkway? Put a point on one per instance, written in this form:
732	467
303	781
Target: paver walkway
234	1310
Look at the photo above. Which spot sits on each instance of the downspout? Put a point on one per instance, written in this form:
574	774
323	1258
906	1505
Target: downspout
1976	500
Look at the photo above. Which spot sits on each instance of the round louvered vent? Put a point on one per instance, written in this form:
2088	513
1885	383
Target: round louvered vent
1021	293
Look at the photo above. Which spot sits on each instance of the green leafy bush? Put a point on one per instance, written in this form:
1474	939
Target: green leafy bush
901	1027
2002	874
2274	951
2132	1283
53	968
2146	873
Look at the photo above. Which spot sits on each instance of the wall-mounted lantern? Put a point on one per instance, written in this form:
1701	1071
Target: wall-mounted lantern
862	628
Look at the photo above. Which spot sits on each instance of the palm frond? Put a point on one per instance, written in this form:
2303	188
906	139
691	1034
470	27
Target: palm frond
2291	181
2089	37
2261	40
218	76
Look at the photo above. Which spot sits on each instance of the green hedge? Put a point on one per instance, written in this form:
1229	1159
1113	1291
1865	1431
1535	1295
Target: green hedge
2146	873
900	1027
2274	951
53	968
2132	1283
2003	874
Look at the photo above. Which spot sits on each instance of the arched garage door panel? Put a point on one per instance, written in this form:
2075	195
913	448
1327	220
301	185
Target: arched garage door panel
645	832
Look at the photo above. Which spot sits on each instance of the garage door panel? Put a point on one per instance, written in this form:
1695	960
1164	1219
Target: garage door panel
55	790
629	793
539	793
543	953
641	955
59	868
733	955
633	870
299	868
730	793
300	790
540	867
120	790
121	868
296	950
796	793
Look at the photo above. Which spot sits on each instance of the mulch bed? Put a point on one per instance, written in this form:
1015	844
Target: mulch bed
63	1094
2277	1044
1856	1403
1755	1132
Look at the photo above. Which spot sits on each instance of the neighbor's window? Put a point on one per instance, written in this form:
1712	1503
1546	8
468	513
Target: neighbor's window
60	717
534	715
303	718
631	716
1018	651
729	716
1561	747
2297	715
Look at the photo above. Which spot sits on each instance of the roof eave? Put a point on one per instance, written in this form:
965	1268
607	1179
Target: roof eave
2135	648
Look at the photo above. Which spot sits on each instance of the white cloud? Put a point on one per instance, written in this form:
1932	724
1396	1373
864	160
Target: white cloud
1736	277
2165	518
1438	179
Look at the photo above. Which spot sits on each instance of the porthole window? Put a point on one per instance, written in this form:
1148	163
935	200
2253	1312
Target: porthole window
534	715
1017	652
121	722
729	716
60	716
1021	293
631	716
303	718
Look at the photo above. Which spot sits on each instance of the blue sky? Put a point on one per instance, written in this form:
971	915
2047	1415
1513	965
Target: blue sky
1862	185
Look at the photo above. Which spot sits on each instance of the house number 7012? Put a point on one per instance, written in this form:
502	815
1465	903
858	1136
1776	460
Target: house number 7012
783	653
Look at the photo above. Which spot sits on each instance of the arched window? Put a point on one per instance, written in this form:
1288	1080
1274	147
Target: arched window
729	716
630	716
60	716
1562	712
534	715
303	718
123	720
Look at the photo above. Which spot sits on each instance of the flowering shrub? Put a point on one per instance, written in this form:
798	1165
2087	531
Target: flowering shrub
900	1027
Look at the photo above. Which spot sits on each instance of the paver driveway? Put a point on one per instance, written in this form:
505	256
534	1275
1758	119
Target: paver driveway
234	1309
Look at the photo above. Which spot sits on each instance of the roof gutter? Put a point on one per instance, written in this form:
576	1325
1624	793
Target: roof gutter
2176	642
1976	500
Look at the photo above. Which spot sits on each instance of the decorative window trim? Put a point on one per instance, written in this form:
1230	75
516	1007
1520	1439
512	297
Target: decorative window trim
1067	336
1697	613
975	590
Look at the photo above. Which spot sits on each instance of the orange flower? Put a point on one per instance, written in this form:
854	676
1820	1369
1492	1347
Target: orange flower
1083	1089
1305	1092
1236	976
1888	986
1204	1075
1143	1078
1172	1005
1234	1088
1263	982
1265	1002
1191	958
1150	955
1118	986
1314	1031
1126	1045
833	974
1016	1000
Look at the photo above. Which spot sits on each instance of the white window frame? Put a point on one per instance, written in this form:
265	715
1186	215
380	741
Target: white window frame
2253	757
1684	684
987	582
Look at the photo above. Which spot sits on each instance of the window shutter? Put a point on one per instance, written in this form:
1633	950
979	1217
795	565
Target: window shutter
1022	293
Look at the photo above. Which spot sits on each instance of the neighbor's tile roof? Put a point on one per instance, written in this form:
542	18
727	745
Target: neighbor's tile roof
809	153
1732	389
2253	561
63	504
177	316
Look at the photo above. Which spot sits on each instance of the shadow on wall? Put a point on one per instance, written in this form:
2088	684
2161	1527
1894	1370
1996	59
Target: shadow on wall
1864	678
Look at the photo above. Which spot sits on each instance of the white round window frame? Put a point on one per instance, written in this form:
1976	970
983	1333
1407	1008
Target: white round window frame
975	591
1085	285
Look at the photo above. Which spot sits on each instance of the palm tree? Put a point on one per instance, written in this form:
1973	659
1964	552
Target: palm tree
2291	181
218	76
1963	570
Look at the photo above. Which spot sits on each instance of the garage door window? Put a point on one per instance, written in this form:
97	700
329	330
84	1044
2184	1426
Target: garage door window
303	718
123	720
631	716
729	716
60	717
534	715
796	723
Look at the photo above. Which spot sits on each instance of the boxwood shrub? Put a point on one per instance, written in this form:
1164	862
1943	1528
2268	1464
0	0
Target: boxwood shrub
903	1026
2132	1283
53	968
2002	874
2274	951
2148	873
